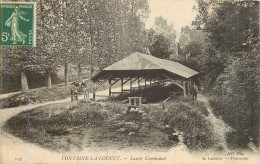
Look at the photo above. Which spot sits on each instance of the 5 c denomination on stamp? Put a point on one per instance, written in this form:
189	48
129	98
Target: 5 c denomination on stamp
17	23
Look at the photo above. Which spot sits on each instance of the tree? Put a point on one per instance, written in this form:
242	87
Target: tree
85	34
161	47
23	58
230	61
161	40
191	42
115	29
193	49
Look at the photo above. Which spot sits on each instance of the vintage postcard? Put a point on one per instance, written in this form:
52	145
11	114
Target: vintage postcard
129	81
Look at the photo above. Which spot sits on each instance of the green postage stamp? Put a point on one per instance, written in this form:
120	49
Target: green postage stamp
17	24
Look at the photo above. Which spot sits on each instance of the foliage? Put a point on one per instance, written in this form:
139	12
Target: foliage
189	118
230	63
153	126
161	40
85	34
39	95
99	121
48	122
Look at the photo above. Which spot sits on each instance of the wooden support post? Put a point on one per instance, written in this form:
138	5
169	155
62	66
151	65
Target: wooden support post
188	88
94	94
122	85
145	82
109	87
131	85
184	89
129	99
138	83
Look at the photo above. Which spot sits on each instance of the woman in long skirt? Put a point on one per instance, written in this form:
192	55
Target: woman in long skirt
13	21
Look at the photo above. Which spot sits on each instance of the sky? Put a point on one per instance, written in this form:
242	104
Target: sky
176	12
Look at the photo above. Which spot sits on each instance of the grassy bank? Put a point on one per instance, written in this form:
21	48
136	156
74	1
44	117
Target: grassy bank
105	125
243	119
35	96
40	95
189	117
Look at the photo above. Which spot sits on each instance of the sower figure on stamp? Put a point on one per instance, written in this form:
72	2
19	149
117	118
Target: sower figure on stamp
194	91
13	21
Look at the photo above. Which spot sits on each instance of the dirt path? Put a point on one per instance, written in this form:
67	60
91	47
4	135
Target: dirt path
16	150
219	126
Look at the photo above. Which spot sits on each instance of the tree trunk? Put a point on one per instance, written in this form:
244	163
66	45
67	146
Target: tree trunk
79	73
24	82
66	75
48	78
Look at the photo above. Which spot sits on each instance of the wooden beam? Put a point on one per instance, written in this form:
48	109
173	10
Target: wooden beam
145	82
188	87
138	83
115	82
184	88
131	85
174	81
179	85
122	85
139	80
105	76
101	83
127	80
134	79
109	87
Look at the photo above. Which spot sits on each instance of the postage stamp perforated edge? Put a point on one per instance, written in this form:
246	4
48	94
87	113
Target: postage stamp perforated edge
34	20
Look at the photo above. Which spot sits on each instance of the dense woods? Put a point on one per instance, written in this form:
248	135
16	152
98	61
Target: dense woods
228	60
88	34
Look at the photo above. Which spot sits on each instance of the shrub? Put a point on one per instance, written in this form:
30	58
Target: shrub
199	106
217	104
197	131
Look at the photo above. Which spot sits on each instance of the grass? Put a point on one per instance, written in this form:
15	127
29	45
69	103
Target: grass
105	125
189	117
241	119
42	124
39	95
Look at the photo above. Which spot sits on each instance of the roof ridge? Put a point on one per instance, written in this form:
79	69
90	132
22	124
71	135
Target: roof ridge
165	60
147	58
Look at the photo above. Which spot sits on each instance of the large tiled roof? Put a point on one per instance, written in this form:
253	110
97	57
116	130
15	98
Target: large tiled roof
142	62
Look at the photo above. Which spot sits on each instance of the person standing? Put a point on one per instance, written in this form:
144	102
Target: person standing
194	91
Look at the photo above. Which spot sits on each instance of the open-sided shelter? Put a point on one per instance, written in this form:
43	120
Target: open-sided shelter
138	66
